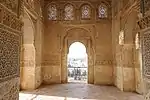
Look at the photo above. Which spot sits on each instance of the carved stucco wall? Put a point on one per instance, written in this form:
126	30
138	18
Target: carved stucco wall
144	24
145	35
96	35
101	38
127	65
10	43
145	40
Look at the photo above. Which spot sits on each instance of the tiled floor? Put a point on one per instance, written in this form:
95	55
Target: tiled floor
78	92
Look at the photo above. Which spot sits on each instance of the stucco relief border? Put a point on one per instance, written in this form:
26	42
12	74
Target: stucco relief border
87	28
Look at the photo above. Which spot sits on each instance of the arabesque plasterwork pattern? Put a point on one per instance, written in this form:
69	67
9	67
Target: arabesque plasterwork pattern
10	43
12	5
11	29
144	25
145	50
9	58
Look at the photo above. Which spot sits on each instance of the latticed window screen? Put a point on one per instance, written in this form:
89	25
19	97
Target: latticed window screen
52	12
86	11
102	11
69	12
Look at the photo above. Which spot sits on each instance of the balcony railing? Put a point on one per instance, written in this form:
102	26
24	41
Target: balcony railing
77	74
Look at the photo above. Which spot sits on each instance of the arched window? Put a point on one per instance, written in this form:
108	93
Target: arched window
137	41
102	11
52	12
121	37
86	11
69	12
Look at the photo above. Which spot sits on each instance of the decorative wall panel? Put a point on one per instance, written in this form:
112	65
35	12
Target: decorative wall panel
146	55
9	51
10	43
146	62
10	39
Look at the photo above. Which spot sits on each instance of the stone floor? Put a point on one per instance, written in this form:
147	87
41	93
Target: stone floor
76	91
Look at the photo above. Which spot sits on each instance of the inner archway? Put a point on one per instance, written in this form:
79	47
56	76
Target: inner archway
77	63
27	78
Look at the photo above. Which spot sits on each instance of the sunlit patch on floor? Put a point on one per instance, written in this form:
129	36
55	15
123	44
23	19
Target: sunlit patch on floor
24	96
78	92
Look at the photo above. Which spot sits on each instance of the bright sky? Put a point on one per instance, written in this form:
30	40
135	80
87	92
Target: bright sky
77	50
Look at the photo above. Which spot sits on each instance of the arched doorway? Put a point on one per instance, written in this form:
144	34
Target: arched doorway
27	79
77	35
77	63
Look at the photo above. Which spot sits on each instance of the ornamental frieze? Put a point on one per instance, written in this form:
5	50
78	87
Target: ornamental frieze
104	62
51	60
51	63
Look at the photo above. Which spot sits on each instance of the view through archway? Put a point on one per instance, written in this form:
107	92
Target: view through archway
77	63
